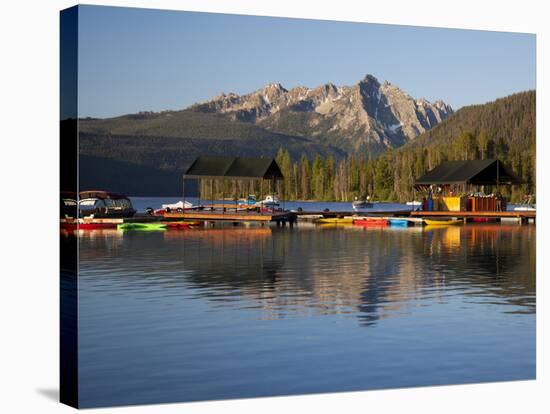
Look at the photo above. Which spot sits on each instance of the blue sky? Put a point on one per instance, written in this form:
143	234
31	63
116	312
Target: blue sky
134	60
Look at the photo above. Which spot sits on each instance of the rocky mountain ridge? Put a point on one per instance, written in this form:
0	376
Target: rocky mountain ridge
368	115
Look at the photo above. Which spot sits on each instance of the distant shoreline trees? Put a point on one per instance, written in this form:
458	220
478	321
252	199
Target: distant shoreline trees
391	176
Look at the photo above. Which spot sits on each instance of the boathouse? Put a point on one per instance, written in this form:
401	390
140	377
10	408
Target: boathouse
235	168
262	171
466	186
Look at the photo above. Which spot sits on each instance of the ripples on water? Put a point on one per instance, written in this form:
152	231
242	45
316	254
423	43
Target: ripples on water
241	312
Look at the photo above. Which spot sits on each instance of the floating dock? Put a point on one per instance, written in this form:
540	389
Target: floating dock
336	214
235	217
288	217
520	216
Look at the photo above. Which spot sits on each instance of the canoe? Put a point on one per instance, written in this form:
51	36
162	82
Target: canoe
432	222
399	222
142	226
371	222
336	220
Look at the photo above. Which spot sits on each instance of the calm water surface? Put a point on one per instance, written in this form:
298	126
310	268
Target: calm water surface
229	312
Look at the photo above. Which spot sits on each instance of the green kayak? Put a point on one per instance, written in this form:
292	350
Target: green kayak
142	226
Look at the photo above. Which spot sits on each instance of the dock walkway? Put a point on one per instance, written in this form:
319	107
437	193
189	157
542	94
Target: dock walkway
277	217
476	214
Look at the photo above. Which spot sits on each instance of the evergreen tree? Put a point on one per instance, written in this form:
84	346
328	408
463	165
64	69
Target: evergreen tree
483	142
305	177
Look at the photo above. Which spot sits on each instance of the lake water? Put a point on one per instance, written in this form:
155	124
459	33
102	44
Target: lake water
141	203
231	312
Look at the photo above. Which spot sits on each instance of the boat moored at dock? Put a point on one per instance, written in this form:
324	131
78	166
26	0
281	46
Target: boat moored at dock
360	204
104	204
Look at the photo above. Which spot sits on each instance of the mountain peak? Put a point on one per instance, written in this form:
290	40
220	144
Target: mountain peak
370	78
274	86
365	115
443	106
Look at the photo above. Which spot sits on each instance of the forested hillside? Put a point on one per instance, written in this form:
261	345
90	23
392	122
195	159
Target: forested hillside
503	129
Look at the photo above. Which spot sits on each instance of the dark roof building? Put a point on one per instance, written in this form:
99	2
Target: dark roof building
235	168
477	172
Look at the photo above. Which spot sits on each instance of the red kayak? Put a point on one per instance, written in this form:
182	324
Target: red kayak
177	225
88	226
371	222
96	226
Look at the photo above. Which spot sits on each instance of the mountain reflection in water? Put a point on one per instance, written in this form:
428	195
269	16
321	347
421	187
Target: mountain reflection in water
249	289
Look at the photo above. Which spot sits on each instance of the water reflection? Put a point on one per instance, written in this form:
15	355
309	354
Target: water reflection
234	312
368	273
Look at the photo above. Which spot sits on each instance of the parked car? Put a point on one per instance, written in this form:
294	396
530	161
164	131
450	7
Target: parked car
68	205
104	204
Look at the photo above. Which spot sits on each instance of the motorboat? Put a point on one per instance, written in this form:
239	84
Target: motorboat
104	204
268	201
527	204
179	206
526	208
414	203
251	200
358	204
68	205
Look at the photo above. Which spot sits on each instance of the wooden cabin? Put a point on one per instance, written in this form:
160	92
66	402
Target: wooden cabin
466	186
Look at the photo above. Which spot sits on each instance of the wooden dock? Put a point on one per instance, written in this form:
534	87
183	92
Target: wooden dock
476	214
334	214
236	217
520	216
287	217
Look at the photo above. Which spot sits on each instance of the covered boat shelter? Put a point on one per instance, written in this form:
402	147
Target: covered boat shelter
454	185
252	169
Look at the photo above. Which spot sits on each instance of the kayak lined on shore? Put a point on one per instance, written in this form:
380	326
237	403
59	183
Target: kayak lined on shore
371	221
399	222
336	220
434	222
142	226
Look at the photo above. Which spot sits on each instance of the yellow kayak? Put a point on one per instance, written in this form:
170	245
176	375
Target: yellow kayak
335	220
442	222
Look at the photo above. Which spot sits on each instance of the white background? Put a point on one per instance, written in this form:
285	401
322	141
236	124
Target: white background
29	200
